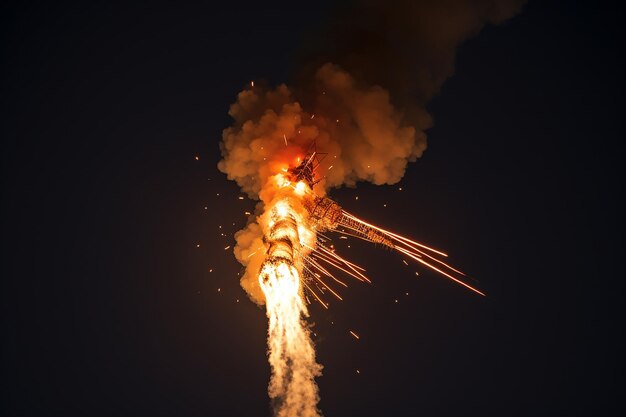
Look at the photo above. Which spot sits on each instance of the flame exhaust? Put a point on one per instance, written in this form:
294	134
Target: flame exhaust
291	354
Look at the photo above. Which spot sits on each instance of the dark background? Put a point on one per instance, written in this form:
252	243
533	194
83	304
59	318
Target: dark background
108	305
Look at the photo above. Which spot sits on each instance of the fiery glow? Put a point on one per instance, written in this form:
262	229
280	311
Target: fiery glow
300	188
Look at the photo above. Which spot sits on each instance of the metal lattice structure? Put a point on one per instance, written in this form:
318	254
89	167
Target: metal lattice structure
324	211
329	216
306	170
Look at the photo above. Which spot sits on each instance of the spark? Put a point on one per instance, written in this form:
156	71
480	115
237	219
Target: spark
318	299
356	336
397	236
458	281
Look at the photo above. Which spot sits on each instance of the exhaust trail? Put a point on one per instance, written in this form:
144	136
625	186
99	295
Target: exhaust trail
292	386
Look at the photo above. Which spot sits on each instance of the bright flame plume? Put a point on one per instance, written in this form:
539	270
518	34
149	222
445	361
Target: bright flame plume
291	353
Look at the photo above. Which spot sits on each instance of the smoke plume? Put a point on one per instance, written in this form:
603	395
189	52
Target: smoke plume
360	94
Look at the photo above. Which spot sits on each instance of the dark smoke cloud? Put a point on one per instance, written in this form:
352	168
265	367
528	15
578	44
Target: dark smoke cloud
407	47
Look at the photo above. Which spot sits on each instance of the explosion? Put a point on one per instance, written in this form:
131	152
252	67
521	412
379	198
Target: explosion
271	151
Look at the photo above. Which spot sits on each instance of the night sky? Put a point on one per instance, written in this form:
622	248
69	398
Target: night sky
108	305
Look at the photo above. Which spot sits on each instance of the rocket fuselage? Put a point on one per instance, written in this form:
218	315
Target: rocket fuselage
283	239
